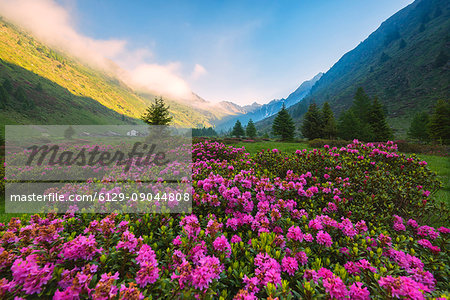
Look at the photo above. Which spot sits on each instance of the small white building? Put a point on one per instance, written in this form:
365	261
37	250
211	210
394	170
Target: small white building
132	132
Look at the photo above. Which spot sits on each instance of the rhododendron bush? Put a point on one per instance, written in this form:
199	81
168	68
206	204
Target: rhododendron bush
356	222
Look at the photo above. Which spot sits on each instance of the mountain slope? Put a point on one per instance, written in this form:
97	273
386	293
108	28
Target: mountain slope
404	62
258	112
45	102
58	71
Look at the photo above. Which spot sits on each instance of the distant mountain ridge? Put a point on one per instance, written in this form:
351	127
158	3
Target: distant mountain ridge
257	112
405	62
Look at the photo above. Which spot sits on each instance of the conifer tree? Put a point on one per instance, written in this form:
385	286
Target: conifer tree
283	125
238	131
250	129
328	121
157	113
69	132
440	122
349	126
380	130
312	123
419	127
361	104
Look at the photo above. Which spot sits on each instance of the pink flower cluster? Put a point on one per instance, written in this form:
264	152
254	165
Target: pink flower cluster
149	271
403	287
335	287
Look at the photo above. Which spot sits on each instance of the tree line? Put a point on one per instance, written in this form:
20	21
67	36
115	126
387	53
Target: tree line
364	120
426	128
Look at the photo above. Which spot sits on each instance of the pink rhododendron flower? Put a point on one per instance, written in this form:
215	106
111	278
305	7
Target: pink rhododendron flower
80	247
129	242
403	287
358	292
235	239
323	238
148	273
221	244
30	275
295	234
289	265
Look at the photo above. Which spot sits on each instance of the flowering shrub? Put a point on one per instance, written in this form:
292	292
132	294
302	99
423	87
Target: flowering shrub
347	223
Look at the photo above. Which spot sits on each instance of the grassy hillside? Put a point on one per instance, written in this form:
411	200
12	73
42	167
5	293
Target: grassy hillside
49	103
404	62
71	91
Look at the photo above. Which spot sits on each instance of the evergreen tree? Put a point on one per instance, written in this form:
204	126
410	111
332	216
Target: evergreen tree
69	132
204	131
402	44
4	97
349	126
250	129
328	121
157	113
283	125
440	122
238	131
380	130
312	126
419	127
361	104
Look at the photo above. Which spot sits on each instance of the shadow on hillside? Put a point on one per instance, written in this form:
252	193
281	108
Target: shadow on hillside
48	103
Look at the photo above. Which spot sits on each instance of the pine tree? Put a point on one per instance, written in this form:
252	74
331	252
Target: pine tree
380	130
69	132
250	129
4	97
349	126
329	123
361	104
440	122
238	131
419	127
157	113
283	125
402	44
312	125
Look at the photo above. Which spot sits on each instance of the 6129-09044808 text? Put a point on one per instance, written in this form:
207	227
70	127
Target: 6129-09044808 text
101	197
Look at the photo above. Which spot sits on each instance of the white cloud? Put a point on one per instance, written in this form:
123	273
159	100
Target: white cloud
198	72
160	79
52	23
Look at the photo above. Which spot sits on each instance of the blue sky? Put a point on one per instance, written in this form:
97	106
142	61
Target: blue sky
250	50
